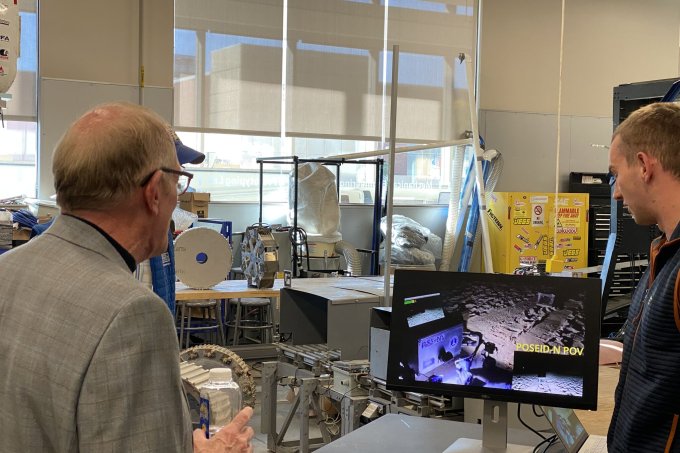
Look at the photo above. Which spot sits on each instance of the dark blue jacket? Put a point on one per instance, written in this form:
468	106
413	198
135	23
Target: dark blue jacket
647	398
163	275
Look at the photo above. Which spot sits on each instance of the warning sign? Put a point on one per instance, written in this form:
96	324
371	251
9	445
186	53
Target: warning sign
528	260
568	220
538	215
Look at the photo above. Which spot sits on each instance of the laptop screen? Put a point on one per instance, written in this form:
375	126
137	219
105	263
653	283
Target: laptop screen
567	426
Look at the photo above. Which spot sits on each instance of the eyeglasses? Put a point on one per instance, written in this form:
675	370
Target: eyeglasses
182	182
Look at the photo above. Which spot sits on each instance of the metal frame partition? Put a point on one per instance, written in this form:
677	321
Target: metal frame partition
337	162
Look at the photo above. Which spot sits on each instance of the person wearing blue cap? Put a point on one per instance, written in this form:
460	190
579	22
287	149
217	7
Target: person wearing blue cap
159	271
186	155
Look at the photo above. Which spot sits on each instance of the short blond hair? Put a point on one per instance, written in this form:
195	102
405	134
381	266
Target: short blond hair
654	129
103	157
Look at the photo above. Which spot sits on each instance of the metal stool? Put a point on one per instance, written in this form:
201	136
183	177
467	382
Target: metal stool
210	321
251	315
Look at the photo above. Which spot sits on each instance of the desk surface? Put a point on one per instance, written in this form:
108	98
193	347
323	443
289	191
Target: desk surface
342	289
394	432
333	288
228	289
398	432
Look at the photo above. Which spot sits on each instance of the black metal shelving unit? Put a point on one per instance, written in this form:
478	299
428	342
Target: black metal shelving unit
337	163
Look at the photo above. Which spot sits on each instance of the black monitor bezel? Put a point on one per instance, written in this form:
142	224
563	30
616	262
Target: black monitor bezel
408	283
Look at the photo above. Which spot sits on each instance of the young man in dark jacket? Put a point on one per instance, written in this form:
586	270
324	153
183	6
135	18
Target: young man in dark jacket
645	160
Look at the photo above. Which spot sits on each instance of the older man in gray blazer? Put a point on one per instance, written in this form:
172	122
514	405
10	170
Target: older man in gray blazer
89	355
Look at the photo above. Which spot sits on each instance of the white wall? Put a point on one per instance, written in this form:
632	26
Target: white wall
606	43
99	41
528	144
93	50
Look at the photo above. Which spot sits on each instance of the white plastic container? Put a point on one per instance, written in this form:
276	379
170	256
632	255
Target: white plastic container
220	400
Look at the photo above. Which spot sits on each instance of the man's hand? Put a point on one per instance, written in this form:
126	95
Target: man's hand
233	438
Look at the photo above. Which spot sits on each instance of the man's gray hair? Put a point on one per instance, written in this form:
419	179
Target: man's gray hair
104	156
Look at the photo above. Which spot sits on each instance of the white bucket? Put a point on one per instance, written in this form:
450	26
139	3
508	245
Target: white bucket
317	249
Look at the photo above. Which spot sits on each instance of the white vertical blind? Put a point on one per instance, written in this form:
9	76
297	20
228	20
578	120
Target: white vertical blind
228	64
228	67
432	87
334	81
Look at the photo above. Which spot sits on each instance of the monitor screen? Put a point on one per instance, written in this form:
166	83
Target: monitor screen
513	338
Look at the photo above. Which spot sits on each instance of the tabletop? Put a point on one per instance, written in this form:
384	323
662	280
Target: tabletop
400	432
227	289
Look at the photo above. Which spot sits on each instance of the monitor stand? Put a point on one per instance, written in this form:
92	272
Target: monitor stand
494	434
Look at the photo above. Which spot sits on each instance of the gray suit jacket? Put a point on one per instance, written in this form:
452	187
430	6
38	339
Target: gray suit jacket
88	355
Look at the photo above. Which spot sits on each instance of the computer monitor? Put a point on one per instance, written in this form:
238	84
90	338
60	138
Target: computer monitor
500	338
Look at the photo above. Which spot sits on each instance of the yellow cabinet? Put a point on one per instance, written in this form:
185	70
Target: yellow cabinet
528	227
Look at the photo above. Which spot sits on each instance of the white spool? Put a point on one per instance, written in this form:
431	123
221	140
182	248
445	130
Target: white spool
203	257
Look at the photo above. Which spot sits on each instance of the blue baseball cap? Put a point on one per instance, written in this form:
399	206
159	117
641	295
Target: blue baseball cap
186	155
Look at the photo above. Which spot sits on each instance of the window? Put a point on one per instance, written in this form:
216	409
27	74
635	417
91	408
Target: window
312	79
18	136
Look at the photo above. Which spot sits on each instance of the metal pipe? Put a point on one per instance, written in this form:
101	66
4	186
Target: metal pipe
387	299
261	189
295	224
141	53
478	58
323	160
377	211
479	176
404	149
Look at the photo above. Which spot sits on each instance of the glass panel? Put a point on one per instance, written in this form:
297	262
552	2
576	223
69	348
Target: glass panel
18	137
230	171
17	159
332	86
228	64
357	181
186	93
23	90
420	5
228	79
433	95
433	90
243	88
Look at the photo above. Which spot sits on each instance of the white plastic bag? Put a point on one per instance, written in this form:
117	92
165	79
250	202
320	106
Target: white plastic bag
318	211
183	219
412	243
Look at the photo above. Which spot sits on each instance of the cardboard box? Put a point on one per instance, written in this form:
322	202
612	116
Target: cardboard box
21	234
196	202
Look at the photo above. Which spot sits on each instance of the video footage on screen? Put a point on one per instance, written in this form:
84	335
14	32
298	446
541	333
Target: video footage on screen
505	336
